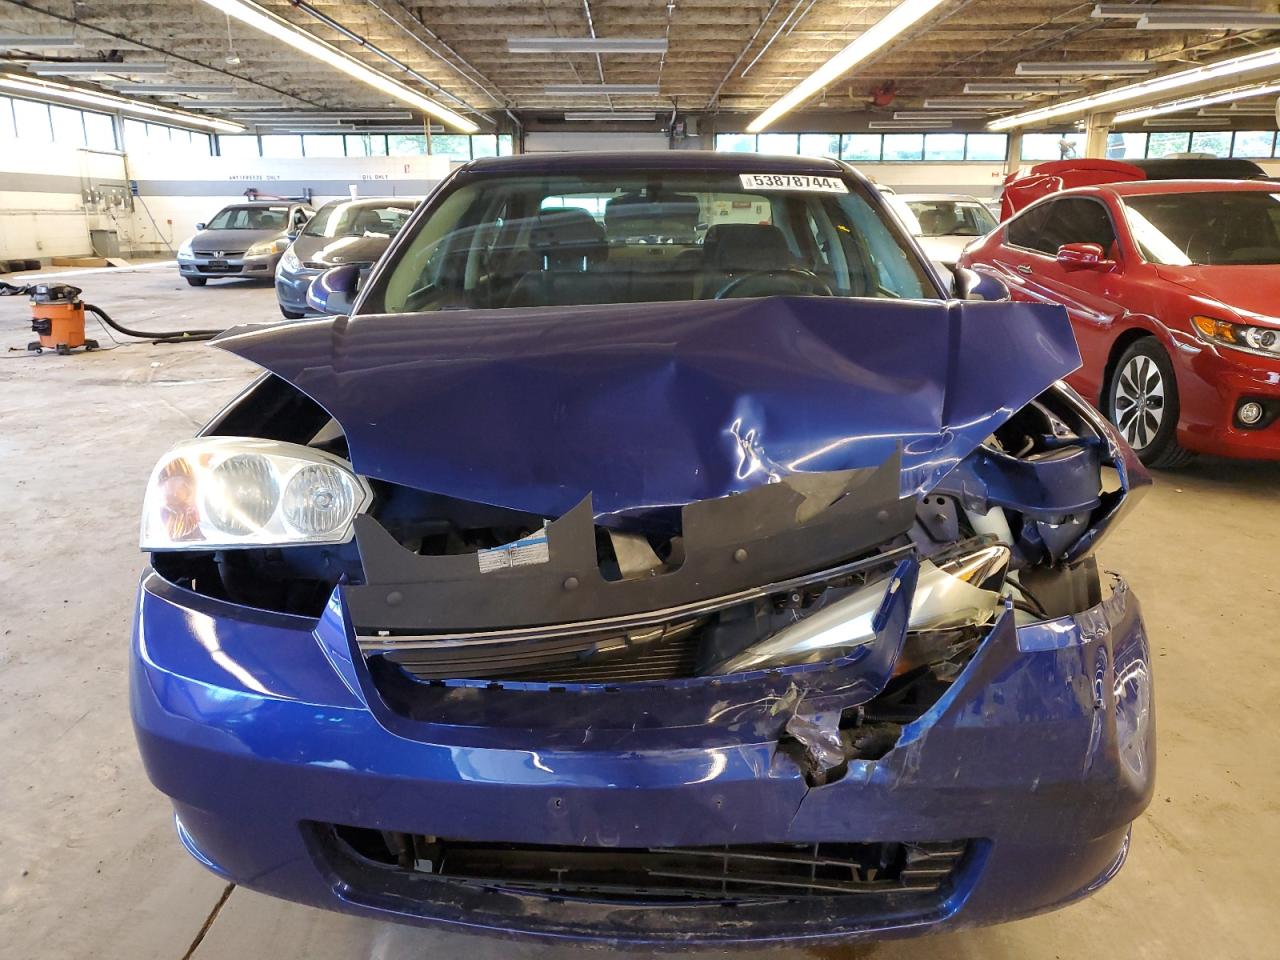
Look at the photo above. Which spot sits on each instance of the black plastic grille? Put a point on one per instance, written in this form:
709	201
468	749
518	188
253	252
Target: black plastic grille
735	873
658	653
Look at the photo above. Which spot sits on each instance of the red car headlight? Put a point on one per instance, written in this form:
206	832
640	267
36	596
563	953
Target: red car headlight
1264	341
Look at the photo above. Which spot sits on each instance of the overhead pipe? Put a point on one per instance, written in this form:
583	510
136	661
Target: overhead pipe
738	59
475	78
377	51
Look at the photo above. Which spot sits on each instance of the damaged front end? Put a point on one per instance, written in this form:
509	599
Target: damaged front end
876	658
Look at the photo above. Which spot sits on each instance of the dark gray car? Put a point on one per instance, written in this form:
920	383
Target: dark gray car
242	240
342	231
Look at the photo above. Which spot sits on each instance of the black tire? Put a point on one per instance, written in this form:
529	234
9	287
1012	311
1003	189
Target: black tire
1142	401
291	314
197	281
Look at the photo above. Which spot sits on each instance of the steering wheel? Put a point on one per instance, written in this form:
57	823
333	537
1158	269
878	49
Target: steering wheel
774	282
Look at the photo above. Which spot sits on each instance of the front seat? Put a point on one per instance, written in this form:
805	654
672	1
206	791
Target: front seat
732	250
568	248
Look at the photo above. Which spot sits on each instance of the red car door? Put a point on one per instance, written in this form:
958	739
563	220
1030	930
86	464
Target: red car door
1028	263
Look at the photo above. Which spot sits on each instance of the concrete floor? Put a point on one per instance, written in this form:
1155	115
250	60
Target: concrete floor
89	866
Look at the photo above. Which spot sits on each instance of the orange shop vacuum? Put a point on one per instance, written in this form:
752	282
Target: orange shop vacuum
57	316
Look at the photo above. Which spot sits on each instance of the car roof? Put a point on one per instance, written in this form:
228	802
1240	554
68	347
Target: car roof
376	201
1140	188
673	160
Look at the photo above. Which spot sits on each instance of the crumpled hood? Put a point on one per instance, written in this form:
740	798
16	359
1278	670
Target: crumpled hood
654	405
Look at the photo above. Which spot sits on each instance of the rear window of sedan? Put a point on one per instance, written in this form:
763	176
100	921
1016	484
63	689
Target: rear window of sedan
564	240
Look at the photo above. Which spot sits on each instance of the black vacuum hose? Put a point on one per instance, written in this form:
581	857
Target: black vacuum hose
172	336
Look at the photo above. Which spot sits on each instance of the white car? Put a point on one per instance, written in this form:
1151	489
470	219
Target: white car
944	223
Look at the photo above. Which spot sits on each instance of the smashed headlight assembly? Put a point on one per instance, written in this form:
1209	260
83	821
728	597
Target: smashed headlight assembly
227	492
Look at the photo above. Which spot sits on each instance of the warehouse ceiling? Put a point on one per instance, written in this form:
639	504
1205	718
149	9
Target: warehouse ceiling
727	55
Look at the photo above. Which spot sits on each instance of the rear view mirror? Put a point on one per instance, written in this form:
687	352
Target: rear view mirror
969	284
334	291
1083	256
200	226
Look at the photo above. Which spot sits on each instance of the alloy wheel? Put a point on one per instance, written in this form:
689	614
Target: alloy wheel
1139	403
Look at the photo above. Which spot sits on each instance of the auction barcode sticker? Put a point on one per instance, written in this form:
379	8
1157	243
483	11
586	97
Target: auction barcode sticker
793	181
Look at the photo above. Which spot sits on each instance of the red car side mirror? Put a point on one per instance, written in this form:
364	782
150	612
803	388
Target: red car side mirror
1084	256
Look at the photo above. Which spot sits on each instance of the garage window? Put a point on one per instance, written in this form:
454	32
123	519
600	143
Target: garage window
1254	143
32	120
281	145
6	119
904	146
1167	143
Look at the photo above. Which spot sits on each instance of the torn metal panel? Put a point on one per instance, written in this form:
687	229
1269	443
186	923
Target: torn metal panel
651	406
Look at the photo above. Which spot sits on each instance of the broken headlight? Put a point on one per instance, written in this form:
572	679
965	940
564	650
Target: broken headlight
235	492
961	591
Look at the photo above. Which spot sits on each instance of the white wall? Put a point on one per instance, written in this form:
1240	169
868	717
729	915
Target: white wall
554	141
51	196
47	200
180	194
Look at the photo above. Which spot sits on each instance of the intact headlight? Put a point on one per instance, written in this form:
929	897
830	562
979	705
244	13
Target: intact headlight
184	250
289	261
267	247
1261	340
236	492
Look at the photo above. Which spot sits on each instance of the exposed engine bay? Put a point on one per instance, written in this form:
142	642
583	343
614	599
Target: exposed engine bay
794	582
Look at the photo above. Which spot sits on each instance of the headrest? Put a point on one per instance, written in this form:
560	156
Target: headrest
743	247
563	236
370	221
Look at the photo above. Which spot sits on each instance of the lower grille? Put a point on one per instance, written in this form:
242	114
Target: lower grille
734	873
654	653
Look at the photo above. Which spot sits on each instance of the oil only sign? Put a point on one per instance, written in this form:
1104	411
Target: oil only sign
793	181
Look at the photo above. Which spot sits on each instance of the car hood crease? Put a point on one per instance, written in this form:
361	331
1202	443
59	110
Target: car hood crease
651	406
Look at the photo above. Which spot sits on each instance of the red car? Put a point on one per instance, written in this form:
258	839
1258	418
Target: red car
1174	295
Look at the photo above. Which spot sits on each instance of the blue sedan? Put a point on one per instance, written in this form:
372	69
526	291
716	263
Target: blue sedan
650	549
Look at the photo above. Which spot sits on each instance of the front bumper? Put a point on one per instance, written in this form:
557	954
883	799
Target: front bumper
259	267
291	289
260	725
1212	383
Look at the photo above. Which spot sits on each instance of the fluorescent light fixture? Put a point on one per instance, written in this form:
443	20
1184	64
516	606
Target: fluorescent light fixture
323	115
1136	11
972	103
299	124
585	45
45	89
233	105
281	29
1224	19
1168	83
1195	103
908	124
892	25
10	41
146	88
577	89
91	68
936	115
1239	110
1086	68
1020	86
1181	123
606	115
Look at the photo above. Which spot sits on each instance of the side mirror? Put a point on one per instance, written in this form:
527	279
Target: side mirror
1084	256
969	284
334	291
200	226
293	234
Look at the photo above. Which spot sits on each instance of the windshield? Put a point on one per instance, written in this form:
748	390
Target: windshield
342	218
642	236
249	218
952	218
1217	227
